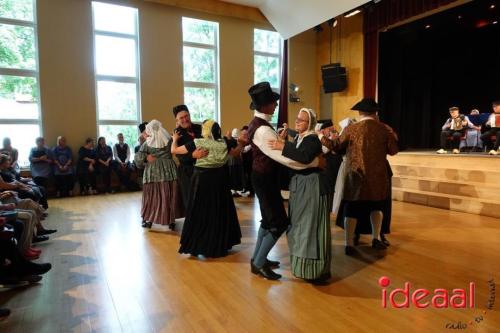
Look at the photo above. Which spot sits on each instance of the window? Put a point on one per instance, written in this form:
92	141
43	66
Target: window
267	60
116	63
201	68
19	81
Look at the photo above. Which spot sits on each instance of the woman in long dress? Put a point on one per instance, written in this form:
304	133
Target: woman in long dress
309	237
159	194
211	227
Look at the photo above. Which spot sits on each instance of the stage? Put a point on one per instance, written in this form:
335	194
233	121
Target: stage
466	182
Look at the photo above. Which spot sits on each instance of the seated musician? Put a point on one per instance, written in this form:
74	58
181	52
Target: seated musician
473	140
455	127
493	129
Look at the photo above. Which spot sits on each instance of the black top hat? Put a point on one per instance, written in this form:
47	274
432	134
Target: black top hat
325	123
142	127
262	95
179	108
366	105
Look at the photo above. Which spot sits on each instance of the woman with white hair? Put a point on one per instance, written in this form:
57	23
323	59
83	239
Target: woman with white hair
309	237
159	196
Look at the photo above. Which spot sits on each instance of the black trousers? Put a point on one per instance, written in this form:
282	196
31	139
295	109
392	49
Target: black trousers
64	184
455	141
268	191
41	181
486	138
87	179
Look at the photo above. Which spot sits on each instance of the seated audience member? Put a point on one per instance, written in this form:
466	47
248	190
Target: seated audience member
63	169
104	155
122	165
12	153
25	188
41	161
493	129
455	127
87	167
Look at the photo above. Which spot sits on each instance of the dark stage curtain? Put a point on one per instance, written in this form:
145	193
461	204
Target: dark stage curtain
423	72
283	107
383	14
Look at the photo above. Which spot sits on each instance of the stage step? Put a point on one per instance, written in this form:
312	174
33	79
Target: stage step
449	174
465	182
489	191
447	201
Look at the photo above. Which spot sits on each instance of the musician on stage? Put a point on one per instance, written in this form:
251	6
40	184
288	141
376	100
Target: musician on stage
493	125
455	127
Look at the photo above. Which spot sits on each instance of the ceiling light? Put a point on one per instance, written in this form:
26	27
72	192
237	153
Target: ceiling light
427	26
492	7
354	12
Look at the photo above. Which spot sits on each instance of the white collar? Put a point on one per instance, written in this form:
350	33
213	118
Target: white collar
265	116
366	118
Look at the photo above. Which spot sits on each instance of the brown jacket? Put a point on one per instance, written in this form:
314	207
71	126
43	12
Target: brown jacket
367	144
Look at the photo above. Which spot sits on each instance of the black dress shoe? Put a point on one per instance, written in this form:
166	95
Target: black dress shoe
149	225
171	226
46	232
384	240
376	244
268	273
272	263
349	250
38	239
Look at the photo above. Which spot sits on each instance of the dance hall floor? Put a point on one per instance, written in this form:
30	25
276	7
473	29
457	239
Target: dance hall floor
110	275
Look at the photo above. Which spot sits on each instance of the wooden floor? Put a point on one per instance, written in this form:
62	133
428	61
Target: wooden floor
110	275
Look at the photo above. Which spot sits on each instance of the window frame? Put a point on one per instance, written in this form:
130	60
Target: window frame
204	85
117	78
32	73
278	55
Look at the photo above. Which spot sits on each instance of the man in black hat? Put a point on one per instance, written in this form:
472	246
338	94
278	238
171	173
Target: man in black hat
367	184
187	132
266	178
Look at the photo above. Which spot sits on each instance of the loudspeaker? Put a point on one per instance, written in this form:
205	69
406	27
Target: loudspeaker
334	78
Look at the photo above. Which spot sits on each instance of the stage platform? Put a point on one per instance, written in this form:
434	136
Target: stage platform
466	182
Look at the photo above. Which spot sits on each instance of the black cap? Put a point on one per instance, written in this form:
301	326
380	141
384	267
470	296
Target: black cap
262	95
142	127
325	123
179	108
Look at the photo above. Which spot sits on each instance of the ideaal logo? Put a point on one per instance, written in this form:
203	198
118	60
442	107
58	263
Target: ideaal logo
459	298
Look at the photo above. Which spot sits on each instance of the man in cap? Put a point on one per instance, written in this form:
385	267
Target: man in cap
265	178
367	144
187	132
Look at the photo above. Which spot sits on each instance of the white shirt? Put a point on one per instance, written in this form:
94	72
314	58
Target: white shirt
115	154
491	120
264	134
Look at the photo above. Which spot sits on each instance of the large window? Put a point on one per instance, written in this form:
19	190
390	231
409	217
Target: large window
19	89
267	60
201	68
117	84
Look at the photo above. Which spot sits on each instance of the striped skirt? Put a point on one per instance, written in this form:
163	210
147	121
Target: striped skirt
159	202
311	269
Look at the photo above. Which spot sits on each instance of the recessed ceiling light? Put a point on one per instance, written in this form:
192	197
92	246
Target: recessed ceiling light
427	26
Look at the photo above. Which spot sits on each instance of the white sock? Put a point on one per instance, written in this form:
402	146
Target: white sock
376	220
349	229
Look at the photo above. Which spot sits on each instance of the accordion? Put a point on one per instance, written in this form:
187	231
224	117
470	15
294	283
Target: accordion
495	120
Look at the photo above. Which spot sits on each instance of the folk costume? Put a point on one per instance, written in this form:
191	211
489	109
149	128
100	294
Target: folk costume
266	180
211	227
159	197
367	185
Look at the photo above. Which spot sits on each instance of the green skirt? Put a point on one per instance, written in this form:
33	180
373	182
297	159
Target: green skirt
308	268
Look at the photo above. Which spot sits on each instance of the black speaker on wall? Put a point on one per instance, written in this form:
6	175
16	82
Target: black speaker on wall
334	78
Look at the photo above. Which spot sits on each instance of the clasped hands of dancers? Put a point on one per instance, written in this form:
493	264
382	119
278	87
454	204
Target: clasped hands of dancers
198	187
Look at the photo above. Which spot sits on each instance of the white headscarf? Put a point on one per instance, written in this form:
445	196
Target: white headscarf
311	126
158	137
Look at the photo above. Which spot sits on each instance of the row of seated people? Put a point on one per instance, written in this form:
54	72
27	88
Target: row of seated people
476	130
57	162
21	216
